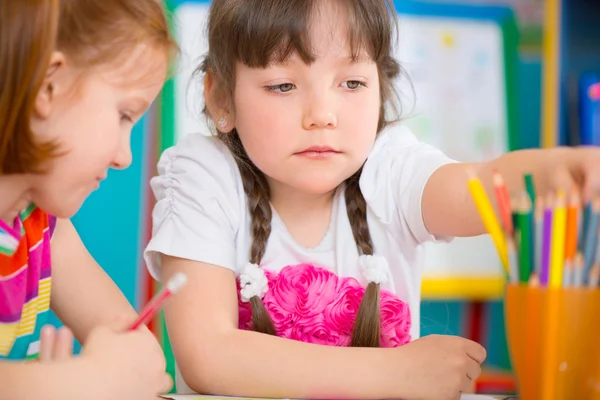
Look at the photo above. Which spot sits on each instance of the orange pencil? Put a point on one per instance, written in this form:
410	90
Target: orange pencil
504	206
573	213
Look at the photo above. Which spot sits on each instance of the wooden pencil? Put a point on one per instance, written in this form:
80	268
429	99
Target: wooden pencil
559	225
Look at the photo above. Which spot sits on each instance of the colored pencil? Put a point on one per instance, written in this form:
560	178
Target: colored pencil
568	273
513	260
176	282
504	204
573	219
559	225
486	211
534	279
530	187
589	248
525	235
546	241
594	277
539	227
578	270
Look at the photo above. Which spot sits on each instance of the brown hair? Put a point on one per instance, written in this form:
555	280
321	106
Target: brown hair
89	32
258	32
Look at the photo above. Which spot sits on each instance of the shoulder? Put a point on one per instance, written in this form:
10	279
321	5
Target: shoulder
199	150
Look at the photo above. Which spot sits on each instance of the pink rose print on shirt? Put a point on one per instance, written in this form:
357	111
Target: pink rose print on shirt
313	305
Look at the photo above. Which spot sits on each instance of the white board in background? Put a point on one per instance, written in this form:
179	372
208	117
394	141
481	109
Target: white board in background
456	68
190	29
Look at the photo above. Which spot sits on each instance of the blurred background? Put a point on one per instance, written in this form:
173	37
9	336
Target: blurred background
489	76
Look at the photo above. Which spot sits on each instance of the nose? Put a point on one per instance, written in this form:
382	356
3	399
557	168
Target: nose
123	155
320	112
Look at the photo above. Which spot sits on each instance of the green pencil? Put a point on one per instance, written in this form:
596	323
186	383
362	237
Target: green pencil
524	217
529	186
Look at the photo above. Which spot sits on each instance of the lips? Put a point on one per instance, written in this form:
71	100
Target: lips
318	149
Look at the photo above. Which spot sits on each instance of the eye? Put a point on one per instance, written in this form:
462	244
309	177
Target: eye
283	88
353	85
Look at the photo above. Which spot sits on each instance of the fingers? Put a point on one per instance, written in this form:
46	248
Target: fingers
47	339
467	385
476	351
166	383
563	180
63	345
473	370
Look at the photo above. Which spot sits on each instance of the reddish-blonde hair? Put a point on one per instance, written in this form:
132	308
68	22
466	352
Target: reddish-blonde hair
89	32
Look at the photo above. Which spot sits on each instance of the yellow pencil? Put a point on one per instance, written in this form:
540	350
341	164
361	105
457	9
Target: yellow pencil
488	216
559	228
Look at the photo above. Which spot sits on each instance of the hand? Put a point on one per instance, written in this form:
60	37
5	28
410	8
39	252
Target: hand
579	166
126	364
441	367
55	345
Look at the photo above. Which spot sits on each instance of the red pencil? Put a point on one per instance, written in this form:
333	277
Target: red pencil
176	282
504	206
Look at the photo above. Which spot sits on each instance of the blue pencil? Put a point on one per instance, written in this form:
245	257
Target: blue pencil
591	234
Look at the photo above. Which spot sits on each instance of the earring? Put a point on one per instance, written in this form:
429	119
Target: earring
222	123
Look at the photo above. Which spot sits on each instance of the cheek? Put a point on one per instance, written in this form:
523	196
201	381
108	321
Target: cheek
264	126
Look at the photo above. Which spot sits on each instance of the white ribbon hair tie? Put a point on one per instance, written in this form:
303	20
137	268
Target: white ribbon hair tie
253	282
374	268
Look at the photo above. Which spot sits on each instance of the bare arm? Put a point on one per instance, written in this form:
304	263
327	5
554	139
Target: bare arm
216	358
83	295
448	209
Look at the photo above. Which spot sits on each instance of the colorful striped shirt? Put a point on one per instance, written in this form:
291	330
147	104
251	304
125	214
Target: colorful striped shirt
24	282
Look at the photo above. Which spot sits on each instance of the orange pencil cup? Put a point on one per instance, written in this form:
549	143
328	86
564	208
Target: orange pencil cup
554	341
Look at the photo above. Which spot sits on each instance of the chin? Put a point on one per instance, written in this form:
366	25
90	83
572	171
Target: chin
62	207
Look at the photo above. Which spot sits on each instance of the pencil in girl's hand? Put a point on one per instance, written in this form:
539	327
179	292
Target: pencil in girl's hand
176	282
488	216
504	205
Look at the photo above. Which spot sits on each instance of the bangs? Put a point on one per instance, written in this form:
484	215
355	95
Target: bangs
272	31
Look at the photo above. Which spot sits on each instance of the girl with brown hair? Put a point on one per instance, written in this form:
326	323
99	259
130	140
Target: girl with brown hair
315	199
75	76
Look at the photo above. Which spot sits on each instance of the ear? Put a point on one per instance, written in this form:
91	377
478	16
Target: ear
53	83
215	102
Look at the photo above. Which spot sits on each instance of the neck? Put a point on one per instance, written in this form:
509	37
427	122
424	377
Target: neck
15	196
292	201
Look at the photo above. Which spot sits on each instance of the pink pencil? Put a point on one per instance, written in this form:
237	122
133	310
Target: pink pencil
176	282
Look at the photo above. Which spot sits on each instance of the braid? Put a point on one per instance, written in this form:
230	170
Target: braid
367	328
257	191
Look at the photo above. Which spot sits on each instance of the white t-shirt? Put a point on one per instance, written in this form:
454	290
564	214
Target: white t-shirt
202	213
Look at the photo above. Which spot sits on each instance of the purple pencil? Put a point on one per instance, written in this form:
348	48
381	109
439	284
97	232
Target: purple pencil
546	242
